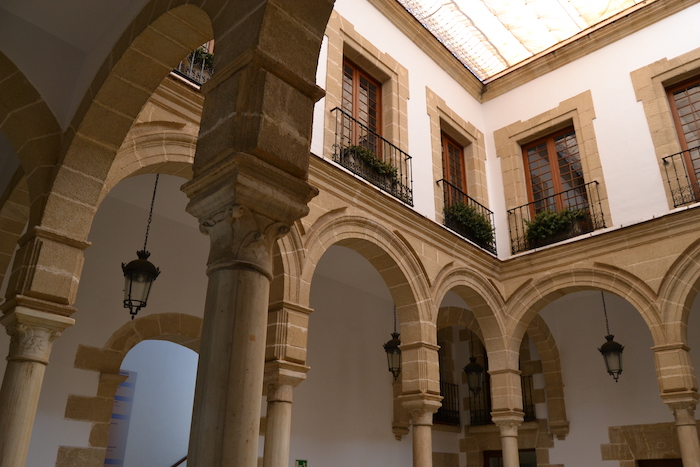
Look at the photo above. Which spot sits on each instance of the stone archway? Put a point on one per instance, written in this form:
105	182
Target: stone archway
179	328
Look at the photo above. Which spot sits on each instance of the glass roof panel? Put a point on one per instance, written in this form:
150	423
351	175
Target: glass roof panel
489	36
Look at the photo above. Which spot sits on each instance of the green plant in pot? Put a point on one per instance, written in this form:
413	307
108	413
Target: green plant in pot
472	223
551	226
372	161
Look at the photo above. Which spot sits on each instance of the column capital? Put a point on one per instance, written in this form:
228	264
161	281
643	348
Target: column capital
683	406
508	421
32	333
421	407
281	378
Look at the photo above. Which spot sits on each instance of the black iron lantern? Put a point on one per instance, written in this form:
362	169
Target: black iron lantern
474	371
140	273
393	352
611	350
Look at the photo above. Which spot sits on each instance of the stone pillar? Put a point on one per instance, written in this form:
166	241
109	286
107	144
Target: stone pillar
280	380
32	334
421	407
508	424
686	428
243	204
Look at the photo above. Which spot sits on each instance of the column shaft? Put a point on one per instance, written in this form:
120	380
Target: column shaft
423	445
280	378
226	418
422	407
687	431
32	335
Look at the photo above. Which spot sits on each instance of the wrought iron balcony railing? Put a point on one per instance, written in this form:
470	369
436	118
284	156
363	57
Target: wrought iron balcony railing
448	414
468	218
197	67
528	399
682	170
371	157
555	218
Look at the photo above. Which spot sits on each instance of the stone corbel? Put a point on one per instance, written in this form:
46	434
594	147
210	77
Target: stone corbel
281	378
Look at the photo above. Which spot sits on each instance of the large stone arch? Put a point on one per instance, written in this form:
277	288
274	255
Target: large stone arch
142	58
534	295
483	299
179	328
678	290
30	127
406	279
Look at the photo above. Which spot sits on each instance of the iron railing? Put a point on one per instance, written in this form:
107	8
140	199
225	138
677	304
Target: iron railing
468	217
480	404
682	171
371	157
528	400
571	213
448	414
197	67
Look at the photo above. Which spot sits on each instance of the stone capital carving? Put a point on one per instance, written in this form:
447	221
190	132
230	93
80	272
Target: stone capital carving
281	378
32	333
421	407
683	406
508	422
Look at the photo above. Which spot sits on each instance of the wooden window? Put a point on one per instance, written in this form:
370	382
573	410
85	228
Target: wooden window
528	458
361	100
453	163
660	463
685	105
555	175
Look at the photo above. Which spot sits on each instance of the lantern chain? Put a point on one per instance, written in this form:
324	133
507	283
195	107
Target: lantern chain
150	214
394	317
605	311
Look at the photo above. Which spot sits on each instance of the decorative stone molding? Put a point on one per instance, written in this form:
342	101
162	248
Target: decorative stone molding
421	407
281	378
287	332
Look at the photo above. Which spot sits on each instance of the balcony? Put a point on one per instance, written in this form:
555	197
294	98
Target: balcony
371	157
197	67
556	218
448	414
468	218
683	183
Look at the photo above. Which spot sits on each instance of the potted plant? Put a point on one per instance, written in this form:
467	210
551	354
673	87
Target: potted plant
371	161
552	226
471	223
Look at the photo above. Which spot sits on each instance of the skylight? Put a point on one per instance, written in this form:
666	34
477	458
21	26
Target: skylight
490	36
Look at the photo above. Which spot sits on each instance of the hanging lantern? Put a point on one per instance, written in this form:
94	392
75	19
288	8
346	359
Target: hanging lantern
612	353
475	375
393	352
611	350
474	371
140	273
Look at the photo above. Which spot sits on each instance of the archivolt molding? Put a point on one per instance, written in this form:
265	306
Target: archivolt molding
481	296
179	328
288	262
530	298
394	260
14	212
678	291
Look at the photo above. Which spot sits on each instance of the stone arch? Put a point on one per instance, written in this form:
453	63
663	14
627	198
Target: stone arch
678	290
532	296
288	259
483	299
179	328
395	261
406	279
142	58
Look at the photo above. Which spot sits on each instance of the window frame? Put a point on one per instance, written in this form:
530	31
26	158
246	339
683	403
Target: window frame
691	171
445	141
358	73
552	153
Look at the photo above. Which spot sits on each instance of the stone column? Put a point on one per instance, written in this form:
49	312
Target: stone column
243	204
421	407
508	424
280	380
32	334
686	428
